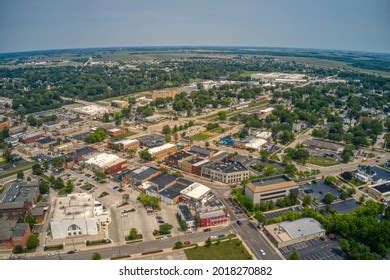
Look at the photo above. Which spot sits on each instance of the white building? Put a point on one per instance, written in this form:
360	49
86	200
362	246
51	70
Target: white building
77	214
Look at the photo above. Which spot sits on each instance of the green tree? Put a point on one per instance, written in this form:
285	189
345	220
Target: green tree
222	115
260	217
329	198
133	234
208	242
145	155
178	245
96	256
165	228
264	155
294	256
69	186
58	162
44	187
37	169
20	175
166	129
32	242
307	200
30	219
106	117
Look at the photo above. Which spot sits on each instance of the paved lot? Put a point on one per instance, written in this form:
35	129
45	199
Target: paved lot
316	249
277	213
345	206
318	190
174	255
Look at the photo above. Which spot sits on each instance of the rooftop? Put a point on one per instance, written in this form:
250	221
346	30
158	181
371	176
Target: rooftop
227	166
74	206
186	213
270	184
102	160
143	172
17	193
196	191
158	149
301	227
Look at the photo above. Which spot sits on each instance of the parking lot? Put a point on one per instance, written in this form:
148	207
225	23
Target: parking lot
318	189
316	249
278	213
344	206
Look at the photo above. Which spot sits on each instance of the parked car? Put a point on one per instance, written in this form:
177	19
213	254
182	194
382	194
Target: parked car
262	252
239	222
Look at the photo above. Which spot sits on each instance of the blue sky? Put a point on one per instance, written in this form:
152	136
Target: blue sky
56	24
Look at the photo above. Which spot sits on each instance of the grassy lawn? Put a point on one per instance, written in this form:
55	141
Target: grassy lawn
2	160
321	161
202	136
226	250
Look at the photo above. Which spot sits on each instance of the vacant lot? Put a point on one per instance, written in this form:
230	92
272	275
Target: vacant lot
226	250
321	161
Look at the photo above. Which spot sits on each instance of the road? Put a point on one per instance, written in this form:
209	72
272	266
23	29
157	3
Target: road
136	248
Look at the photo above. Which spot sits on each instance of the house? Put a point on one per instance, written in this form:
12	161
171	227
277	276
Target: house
186	216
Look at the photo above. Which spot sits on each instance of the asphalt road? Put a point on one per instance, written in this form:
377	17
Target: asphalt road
136	248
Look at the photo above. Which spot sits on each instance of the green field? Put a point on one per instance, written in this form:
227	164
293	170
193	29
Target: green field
202	136
2	160
225	250
320	161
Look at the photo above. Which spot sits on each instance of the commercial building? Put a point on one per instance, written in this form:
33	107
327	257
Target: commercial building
271	188
213	218
152	140
186	216
380	191
292	232
251	143
158	153
140	175
114	132
193	165
107	163
203	152
29	138
51	125
323	145
18	199
77	214
225	171
13	233
196	192
119	103
79	155
124	145
175	159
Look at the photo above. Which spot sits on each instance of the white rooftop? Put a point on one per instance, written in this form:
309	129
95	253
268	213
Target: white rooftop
103	159
74	206
161	148
127	141
301	227
196	190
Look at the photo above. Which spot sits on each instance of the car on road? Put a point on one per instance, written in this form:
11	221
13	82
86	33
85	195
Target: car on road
239	222
262	252
115	188
71	252
207	229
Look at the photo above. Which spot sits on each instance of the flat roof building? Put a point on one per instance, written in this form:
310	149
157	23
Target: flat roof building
271	188
292	232
228	172
107	163
161	152
77	214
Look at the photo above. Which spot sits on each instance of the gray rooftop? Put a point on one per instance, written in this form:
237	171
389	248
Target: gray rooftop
19	192
271	180
302	227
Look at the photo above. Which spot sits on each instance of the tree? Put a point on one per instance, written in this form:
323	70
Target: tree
178	245
44	187
58	183
264	155
260	217
69	186
294	256
168	138
30	219
100	175
208	242
96	256
244	132
207	144
165	228
37	169
133	234
20	175
307	200
166	129
118	118
329	198
106	117
18	249
58	162
32	242
145	155
222	115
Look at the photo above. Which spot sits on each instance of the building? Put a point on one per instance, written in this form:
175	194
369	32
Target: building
79	155
271	188
114	132
18	199
193	165
119	103
77	214
196	193
265	112
172	193
175	159
380	191
252	143
29	138
203	152
323	145
107	163
213	218
152	140
186	216
292	232
160	152
225	171
51	125
13	233
140	175
124	145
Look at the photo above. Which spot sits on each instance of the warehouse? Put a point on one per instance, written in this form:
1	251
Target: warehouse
107	163
292	232
123	145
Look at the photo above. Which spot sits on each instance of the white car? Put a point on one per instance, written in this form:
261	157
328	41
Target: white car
262	252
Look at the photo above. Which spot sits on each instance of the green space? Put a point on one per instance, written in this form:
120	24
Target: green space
87	187
321	161
202	136
2	160
225	250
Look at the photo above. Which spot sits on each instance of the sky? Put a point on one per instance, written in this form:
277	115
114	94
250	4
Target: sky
325	24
